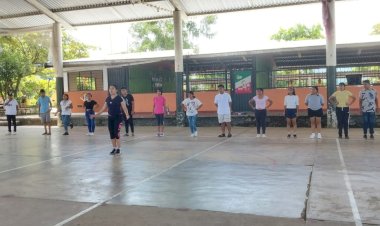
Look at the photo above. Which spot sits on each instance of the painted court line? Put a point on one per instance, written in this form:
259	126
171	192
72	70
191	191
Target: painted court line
139	183
354	206
64	156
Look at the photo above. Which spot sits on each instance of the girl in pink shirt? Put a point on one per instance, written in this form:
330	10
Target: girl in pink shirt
159	108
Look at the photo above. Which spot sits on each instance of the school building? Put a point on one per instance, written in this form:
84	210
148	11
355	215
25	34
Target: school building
300	64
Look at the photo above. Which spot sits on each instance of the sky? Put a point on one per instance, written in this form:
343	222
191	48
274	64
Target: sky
249	29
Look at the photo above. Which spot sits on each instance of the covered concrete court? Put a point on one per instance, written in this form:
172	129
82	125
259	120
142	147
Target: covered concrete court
178	180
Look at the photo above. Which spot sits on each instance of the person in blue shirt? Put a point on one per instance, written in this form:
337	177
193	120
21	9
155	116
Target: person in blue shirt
44	109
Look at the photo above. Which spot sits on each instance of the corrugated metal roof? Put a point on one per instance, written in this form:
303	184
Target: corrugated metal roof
16	14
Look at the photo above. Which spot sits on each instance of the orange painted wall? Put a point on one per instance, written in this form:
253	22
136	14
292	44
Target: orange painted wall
77	98
144	102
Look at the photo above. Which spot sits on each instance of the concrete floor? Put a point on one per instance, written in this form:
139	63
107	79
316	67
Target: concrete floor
178	180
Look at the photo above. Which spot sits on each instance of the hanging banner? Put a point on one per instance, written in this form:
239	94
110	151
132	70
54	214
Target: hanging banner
243	84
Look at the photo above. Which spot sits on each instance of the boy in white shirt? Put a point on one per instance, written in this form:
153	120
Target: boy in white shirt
11	108
223	102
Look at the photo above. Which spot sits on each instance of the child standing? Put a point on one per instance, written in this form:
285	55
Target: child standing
65	108
11	107
89	105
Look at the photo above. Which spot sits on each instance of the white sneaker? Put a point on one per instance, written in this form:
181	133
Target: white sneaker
92	134
14	133
8	133
162	134
312	136
192	135
88	134
195	133
319	136
263	135
258	135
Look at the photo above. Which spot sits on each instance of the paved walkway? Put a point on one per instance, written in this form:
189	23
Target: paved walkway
179	180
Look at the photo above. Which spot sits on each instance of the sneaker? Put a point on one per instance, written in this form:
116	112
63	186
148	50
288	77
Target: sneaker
295	136
229	135
162	134
117	152
312	136
365	136
222	135
71	125
263	135
126	135
9	133
346	137
88	134
92	134
289	136
133	134
192	135
45	133
65	134
258	135
195	133
371	137
340	136
113	152
319	136
14	133
158	134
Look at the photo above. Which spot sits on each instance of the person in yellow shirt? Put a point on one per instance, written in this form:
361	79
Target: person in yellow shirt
342	98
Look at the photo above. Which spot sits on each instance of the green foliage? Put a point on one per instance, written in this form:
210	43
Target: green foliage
73	49
22	58
21	55
159	35
299	32
376	29
31	85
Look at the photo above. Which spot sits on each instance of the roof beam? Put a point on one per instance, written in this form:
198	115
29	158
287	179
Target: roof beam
6	31
49	13
178	5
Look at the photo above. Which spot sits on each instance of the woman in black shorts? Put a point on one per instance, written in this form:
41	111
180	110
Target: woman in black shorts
314	102
291	103
116	106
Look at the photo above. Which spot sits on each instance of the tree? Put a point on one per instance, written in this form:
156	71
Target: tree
24	55
73	49
159	35
376	29
299	32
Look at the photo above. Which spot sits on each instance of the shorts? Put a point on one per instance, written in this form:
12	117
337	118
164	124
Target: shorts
114	126
291	113
317	113
45	117
224	118
160	119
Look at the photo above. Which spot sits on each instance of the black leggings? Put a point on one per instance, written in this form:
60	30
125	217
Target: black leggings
342	115
261	116
128	123
11	119
114	125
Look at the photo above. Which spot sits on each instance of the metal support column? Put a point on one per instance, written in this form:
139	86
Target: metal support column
178	42
331	59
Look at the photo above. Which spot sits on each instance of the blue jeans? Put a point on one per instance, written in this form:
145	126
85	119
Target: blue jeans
369	120
192	123
90	121
66	119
